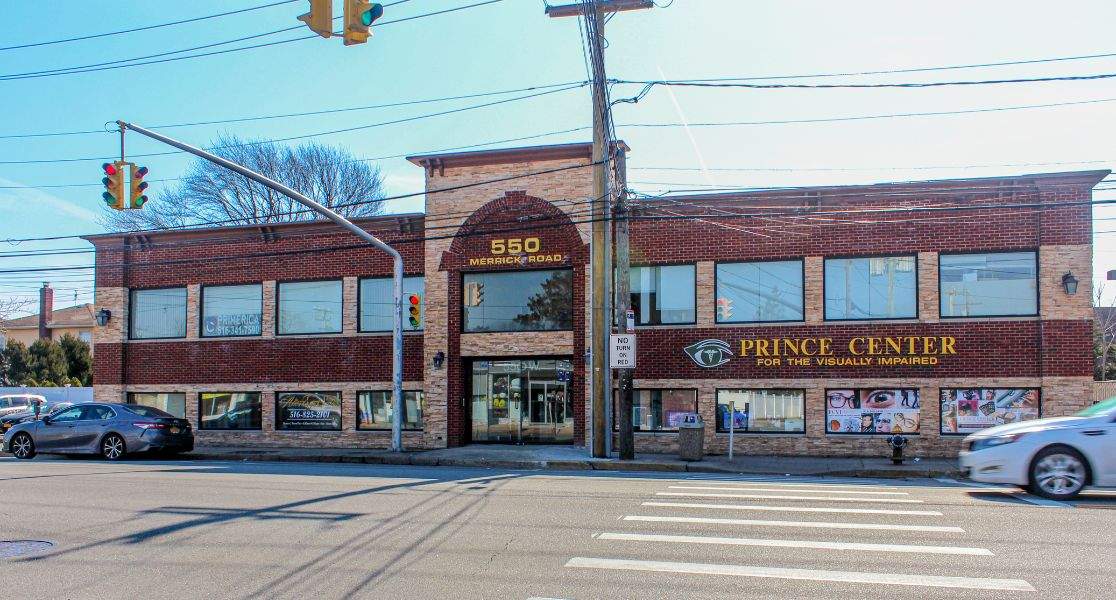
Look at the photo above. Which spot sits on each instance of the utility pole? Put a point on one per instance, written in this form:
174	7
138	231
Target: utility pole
622	285
593	12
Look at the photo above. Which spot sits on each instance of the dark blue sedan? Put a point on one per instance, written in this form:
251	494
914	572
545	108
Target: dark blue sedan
111	430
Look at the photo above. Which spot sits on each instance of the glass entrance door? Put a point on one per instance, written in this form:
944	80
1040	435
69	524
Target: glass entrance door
521	401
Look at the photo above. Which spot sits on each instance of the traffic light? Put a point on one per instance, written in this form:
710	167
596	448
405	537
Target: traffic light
474	293
114	185
320	17
414	309
359	17
138	185
724	309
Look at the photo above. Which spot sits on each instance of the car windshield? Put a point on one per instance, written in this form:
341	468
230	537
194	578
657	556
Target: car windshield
1099	408
147	411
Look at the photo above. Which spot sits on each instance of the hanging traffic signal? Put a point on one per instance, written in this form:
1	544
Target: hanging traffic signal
320	17
114	184
474	293
724	309
414	309
138	185
359	17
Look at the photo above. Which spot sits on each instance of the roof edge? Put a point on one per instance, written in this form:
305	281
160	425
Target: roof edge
509	155
94	238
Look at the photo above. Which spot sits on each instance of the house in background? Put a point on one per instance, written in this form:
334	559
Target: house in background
49	323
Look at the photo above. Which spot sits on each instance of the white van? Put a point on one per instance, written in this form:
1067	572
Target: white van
13	403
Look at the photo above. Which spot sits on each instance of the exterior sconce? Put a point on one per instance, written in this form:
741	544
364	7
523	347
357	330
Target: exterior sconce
103	316
439	358
1069	282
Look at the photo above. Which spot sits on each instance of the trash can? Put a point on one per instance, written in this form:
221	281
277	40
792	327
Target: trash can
691	438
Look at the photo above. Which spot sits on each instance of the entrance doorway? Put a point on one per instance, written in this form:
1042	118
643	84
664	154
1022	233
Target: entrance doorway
521	401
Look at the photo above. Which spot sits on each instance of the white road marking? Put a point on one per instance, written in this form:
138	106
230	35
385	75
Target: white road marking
770	497
845	511
1014	585
761	489
793	483
807	544
1013	492
807	524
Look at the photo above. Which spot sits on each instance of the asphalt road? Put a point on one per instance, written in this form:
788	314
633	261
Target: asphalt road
182	529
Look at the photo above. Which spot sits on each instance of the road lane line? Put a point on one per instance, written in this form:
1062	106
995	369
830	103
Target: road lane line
794	483
771	497
912	579
1013	492
844	511
807	524
760	489
801	544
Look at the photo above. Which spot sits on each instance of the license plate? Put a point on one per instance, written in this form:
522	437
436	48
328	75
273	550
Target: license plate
174	430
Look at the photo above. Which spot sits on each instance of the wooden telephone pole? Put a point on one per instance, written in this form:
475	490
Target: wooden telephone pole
593	12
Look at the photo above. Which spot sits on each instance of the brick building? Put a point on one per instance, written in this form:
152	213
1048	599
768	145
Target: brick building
818	320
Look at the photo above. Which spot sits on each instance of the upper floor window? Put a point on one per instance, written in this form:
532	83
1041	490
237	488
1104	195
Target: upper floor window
754	292
309	307
376	297
664	295
518	301
232	310
158	314
878	287
990	284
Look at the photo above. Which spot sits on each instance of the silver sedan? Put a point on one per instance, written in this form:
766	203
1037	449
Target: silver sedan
111	430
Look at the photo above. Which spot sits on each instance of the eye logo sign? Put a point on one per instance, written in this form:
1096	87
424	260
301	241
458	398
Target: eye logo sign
709	353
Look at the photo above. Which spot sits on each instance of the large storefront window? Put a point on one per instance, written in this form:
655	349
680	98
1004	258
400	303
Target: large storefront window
762	411
989	285
308	411
756	292
157	314
173	403
232	310
968	410
664	295
868	411
309	307
657	410
522	401
376	299
225	410
375	410
518	301
880	287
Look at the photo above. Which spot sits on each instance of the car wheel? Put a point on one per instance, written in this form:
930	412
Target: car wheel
112	447
23	446
1058	473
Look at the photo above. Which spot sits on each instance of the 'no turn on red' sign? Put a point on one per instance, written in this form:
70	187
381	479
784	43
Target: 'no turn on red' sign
622	351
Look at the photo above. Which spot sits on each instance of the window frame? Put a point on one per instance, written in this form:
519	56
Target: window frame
275	405
461	300
278	303
132	313
201	310
128	400
716	286
616	399
356	414
941	419
200	413
671	264
825	399
1038	279
360	306
716	403
825	283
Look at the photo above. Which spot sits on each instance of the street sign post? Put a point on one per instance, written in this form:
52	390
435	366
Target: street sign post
622	351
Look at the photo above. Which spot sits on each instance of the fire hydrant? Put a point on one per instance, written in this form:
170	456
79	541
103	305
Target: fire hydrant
897	443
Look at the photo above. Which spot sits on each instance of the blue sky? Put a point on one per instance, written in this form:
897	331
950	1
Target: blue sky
511	44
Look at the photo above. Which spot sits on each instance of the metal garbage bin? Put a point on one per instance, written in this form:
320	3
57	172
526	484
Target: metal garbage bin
691	438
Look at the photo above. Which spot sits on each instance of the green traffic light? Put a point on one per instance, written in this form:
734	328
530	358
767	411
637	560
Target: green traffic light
414	322
369	16
140	201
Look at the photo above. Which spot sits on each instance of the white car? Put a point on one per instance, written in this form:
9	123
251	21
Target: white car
13	403
1055	458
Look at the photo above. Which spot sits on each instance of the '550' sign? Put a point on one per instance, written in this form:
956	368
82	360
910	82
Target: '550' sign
515	245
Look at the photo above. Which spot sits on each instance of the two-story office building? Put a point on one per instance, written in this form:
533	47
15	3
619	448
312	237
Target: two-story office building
825	317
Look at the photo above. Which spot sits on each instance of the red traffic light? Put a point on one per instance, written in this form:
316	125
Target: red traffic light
413	299
109	168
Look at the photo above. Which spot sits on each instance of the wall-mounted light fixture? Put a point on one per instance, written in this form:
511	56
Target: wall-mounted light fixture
1069	282
103	316
439	358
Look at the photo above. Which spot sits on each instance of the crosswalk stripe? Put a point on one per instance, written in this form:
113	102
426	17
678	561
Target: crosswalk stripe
1014	585
804	544
806	524
845	511
771	497
795	483
761	489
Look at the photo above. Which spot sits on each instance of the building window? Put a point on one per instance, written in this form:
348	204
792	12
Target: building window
375	410
664	295
173	403
158	314
881	287
230	410
872	411
232	310
988	285
376	312
762	411
756	292
518	301
308	411
309	307
85	336
968	410
657	410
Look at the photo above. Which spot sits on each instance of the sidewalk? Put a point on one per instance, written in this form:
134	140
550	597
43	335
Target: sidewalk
575	458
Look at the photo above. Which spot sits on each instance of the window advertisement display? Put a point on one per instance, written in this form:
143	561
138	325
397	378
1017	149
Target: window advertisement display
968	410
872	411
308	411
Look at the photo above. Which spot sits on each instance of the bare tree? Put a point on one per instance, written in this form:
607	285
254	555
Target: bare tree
209	192
1104	333
10	307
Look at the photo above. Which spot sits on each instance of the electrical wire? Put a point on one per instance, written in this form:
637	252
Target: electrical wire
650	84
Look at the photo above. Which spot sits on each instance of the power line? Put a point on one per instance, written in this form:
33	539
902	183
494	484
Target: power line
650	84
884	168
